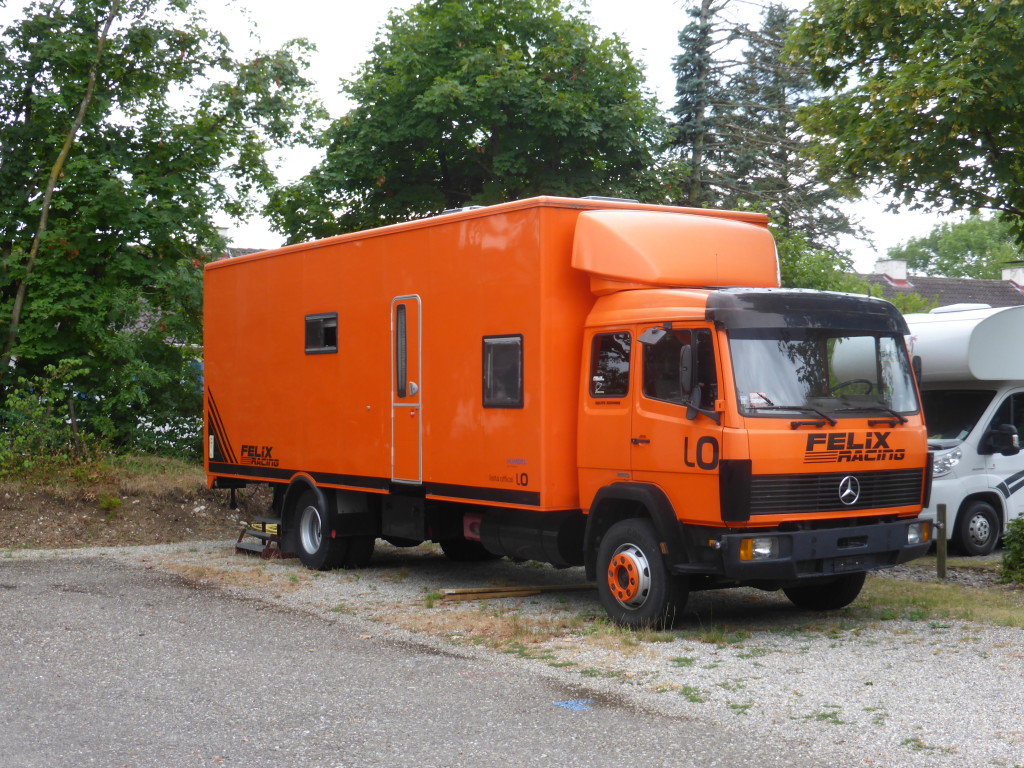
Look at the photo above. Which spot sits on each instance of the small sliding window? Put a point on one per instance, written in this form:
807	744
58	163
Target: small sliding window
503	371
322	333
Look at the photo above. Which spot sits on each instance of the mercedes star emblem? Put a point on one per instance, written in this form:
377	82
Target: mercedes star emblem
849	490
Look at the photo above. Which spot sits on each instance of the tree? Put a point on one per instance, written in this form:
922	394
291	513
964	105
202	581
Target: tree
125	128
736	127
977	247
803	265
467	102
927	98
701	100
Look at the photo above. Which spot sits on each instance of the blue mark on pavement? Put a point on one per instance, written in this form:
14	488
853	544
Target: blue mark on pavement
578	705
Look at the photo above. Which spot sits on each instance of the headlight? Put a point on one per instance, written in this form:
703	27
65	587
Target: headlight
760	548
918	533
944	461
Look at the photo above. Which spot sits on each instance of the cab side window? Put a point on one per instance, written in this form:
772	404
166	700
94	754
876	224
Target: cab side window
661	367
609	364
1011	411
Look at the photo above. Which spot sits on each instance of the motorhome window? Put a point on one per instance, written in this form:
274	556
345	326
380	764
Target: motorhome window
609	364
951	414
833	371
503	372
661	367
322	333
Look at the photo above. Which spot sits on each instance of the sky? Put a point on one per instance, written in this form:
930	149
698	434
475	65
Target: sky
344	32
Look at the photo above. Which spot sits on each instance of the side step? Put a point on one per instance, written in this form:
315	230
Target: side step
268	544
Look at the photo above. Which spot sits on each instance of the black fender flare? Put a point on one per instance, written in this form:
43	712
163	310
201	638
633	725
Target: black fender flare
298	485
620	501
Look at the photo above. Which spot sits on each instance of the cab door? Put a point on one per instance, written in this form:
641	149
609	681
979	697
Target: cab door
606	412
406	397
675	446
1006	473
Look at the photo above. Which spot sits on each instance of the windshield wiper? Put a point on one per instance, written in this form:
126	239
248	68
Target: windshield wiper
896	417
800	409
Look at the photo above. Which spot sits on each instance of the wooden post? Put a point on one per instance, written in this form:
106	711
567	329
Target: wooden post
941	541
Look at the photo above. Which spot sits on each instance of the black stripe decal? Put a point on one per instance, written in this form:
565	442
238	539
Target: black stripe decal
220	436
465	492
1012	484
474	493
321	478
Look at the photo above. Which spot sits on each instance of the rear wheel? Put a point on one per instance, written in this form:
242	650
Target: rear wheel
634	584
827	594
977	529
314	544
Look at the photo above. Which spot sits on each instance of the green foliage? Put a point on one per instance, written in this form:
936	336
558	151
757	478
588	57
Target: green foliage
977	247
1012	567
177	132
473	102
927	98
40	421
907	303
736	127
700	97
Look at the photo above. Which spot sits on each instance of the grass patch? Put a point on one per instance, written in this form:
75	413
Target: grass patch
890	599
692	694
684	661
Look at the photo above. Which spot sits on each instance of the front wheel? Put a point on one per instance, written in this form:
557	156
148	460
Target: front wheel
828	593
977	529
634	584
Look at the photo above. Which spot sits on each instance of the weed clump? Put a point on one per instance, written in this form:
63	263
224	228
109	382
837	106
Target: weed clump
1012	567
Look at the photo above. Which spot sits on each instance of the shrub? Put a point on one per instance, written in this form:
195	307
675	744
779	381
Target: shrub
1012	567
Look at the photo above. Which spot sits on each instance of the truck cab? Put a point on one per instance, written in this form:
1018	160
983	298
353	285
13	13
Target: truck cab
774	437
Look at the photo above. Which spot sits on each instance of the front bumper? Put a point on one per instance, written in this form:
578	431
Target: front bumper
821	552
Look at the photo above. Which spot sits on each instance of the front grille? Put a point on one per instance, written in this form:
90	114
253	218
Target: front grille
786	494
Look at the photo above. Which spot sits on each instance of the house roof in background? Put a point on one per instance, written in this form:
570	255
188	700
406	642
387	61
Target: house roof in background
952	290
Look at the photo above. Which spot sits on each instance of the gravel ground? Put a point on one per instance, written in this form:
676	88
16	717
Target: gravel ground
855	690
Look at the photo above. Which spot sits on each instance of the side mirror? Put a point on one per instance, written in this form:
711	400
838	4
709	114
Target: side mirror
915	364
1003	439
687	371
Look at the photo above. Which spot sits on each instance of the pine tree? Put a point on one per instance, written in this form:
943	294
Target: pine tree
696	132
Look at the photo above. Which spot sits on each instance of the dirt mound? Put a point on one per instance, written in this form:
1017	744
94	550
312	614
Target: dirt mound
141	501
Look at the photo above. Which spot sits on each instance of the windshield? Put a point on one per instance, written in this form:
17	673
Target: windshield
951	414
827	371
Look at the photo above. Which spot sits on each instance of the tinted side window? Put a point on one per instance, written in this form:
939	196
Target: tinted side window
322	333
661	367
1011	411
609	364
503	372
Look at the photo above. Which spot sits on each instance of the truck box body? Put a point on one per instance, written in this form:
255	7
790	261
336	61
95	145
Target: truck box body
531	377
971	387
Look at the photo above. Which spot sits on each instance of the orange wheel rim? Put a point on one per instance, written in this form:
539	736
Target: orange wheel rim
624	578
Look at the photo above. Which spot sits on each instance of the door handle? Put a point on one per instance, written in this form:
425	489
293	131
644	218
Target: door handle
640	441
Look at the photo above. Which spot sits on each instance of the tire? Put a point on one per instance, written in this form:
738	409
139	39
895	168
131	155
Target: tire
977	529
633	582
827	594
466	551
312	525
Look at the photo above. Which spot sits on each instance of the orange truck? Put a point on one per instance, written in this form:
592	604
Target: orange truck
585	382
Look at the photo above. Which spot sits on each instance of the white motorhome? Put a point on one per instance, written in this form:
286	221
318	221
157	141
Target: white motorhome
972	389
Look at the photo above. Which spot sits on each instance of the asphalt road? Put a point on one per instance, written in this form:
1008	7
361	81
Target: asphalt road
103	664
